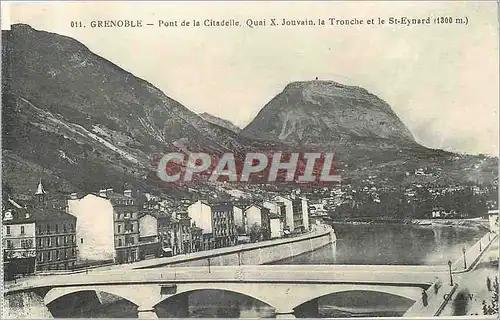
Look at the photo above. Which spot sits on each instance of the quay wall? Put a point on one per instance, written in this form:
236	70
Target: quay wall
250	254
25	305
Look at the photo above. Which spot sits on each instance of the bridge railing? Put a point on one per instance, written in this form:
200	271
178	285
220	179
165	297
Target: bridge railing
436	296
473	253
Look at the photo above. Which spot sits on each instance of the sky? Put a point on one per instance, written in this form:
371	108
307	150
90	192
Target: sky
442	80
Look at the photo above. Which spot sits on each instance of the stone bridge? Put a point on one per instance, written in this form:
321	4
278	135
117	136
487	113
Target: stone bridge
282	287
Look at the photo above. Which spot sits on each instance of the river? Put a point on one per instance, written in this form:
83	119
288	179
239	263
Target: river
356	244
396	244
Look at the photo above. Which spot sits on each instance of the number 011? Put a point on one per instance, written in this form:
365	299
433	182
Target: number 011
76	24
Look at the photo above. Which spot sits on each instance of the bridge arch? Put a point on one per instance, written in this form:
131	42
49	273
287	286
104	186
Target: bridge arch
137	295
304	294
250	291
287	297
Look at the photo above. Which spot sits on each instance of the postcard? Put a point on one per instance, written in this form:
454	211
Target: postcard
243	159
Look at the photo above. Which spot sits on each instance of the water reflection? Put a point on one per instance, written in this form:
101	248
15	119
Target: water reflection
392	244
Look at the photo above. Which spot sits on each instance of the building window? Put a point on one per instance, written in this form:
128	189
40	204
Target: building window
39	243
119	228
81	240
57	255
39	229
65	240
22	229
57	241
26	244
129	227
119	242
73	252
9	244
48	228
48	256
57	228
64	228
8	230
48	242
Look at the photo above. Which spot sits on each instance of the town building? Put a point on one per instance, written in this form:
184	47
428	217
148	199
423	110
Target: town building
184	233
39	236
108	226
284	208
201	213
126	225
437	212
296	212
239	219
174	228
223	228
216	221
196	238
55	239
54	233
94	229
149	240
257	217
275	226
166	233
18	242
493	220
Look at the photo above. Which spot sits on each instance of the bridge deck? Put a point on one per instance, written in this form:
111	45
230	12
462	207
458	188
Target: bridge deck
377	274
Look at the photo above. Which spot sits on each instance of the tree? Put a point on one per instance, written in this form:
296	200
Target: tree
492	307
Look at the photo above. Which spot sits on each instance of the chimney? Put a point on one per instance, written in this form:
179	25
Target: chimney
109	192
27	215
102	193
127	193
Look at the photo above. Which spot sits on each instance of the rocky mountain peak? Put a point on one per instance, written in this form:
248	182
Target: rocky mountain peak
327	111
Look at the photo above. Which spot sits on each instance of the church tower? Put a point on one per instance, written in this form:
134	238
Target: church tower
40	192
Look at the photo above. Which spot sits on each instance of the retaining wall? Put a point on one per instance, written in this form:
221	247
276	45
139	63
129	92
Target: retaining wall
251	254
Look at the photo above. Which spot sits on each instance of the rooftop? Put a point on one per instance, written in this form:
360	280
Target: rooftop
19	216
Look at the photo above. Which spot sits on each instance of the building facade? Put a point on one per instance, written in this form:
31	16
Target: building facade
224	229
201	213
285	210
18	243
126	225
275	226
149	239
94	228
54	233
55	239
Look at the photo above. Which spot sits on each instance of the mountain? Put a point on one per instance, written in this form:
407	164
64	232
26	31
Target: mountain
326	112
84	122
366	135
220	122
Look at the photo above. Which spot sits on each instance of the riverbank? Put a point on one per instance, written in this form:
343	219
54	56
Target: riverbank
478	223
464	223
